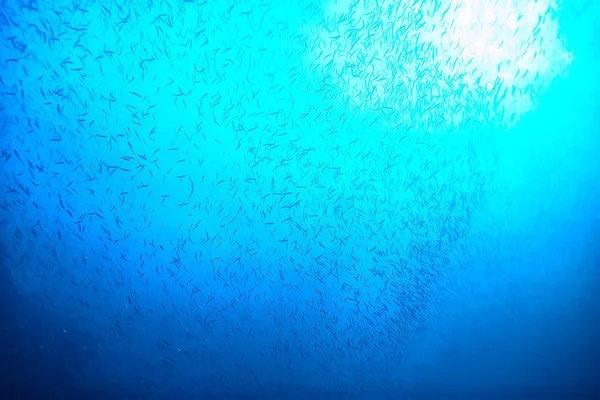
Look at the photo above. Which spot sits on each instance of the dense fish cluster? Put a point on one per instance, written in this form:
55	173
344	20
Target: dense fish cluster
433	64
251	193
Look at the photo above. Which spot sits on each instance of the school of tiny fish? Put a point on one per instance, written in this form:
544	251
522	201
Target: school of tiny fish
256	192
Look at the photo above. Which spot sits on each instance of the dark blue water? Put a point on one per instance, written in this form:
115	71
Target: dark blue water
300	200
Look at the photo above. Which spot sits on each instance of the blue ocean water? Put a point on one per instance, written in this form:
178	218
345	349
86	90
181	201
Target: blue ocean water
315	199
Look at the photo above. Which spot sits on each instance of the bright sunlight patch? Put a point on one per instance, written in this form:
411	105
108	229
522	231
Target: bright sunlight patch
433	64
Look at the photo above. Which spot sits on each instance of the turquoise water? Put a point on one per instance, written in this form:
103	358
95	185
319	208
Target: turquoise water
310	199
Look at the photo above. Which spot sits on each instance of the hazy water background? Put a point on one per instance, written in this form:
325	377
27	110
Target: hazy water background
303	199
